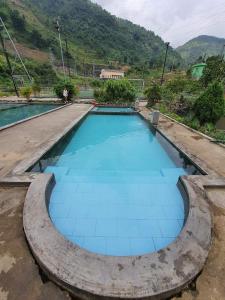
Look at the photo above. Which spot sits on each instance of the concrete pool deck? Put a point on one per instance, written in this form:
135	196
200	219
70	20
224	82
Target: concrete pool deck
23	140
36	133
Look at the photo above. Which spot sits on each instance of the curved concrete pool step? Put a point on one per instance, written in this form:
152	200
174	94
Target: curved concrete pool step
163	176
154	276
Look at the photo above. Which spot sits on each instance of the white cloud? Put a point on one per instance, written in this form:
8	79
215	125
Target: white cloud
175	21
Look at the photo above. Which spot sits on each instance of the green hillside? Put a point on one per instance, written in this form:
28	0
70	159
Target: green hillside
93	34
201	46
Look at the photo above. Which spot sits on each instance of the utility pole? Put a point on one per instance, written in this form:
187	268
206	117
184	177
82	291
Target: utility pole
164	65
58	28
8	63
67	56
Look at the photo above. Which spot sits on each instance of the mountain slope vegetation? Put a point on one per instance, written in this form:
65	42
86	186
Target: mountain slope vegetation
201	46
93	34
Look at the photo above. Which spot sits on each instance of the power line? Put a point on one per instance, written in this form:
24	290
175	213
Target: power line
18	54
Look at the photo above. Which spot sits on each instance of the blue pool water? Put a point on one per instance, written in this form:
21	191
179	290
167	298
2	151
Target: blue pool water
116	191
113	109
15	113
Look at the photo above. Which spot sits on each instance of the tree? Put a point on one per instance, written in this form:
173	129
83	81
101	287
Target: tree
19	22
153	94
37	39
209	107
215	70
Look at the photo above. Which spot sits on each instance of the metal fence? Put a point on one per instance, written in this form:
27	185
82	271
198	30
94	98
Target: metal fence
85	92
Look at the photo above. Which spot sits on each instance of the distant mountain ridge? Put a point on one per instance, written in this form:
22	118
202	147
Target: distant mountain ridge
203	45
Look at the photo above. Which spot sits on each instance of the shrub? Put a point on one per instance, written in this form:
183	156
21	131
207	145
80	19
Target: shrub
153	94
26	92
167	95
116	91
99	94
177	85
209	127
193	86
192	122
61	85
18	21
96	83
214	70
209	107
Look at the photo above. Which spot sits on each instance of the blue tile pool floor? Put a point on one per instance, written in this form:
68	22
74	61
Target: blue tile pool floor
116	191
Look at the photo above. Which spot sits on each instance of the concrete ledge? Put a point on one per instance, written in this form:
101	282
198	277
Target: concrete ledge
157	275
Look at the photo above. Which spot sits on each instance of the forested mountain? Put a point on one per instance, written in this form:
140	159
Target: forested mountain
201	46
93	34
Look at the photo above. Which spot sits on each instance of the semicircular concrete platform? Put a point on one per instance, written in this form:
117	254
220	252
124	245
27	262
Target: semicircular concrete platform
154	276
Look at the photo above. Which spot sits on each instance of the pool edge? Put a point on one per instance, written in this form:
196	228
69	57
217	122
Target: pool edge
24	165
156	276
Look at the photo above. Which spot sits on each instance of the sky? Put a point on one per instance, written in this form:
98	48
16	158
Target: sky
176	21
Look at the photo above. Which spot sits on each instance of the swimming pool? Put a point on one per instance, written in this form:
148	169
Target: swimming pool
112	109
109	203
13	113
116	186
